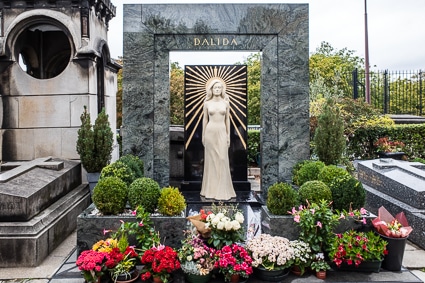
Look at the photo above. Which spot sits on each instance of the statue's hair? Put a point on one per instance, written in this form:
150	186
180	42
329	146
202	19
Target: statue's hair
209	87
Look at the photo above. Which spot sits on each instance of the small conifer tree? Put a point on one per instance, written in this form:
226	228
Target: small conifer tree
329	136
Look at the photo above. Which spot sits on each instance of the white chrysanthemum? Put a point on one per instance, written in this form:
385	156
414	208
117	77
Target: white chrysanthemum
239	217
228	225
215	220
235	225
210	217
220	215
220	225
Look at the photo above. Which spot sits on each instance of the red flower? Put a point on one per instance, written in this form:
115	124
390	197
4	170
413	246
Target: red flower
233	259
159	261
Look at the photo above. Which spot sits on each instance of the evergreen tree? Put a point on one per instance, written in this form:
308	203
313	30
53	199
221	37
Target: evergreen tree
329	137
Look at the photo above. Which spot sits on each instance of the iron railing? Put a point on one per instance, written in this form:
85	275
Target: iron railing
393	92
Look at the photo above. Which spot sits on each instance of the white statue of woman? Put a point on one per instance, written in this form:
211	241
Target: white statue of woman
216	181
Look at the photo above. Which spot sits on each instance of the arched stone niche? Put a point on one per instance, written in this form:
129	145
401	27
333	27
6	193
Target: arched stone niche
279	31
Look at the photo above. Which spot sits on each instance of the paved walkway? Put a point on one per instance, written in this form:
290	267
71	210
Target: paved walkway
59	267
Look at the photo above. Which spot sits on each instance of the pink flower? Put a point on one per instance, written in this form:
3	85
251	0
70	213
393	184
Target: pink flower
363	211
134	212
297	218
364	220
319	224
141	223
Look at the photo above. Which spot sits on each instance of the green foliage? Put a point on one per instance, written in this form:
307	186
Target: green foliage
331	173
347	193
120	170
134	163
171	202
176	95
253	145
308	171
314	191
110	195
281	197
316	222
361	146
329	137
253	63
328	68
94	143
142	229
144	192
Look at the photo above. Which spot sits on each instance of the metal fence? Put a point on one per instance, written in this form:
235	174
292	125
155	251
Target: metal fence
393	92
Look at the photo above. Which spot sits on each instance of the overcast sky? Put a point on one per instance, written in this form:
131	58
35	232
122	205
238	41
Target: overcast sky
396	30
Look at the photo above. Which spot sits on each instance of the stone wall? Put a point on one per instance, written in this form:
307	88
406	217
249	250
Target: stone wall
278	31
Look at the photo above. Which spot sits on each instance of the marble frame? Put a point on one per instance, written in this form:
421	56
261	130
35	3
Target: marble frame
279	31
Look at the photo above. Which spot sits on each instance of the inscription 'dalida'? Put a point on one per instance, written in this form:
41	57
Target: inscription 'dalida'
214	41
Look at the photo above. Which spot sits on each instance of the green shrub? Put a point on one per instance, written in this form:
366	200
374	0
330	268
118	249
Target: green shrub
314	192
110	195
308	172
134	163
120	170
281	198
347	192
331	173
171	202
144	192
329	137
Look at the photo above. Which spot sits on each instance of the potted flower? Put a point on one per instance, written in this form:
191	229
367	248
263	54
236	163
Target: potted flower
387	148
271	256
320	266
395	231
363	251
316	222
123	264
302	256
159	263
92	265
233	262
196	258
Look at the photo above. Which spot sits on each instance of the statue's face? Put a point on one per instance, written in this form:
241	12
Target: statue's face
217	88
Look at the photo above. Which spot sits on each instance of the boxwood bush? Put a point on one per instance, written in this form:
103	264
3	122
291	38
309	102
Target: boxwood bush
110	195
281	198
314	192
144	192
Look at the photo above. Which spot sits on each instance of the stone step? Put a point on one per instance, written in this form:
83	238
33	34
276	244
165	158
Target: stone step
28	243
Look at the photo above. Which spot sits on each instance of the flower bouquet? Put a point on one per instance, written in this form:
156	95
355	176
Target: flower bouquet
195	256
353	248
270	252
392	227
302	255
221	226
159	262
233	260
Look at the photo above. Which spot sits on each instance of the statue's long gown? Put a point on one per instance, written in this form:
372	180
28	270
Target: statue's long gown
216	181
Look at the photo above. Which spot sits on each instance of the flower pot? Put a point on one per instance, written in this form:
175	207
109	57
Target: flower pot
157	279
394	155
394	259
234	278
270	275
132	276
364	266
195	278
296	270
321	274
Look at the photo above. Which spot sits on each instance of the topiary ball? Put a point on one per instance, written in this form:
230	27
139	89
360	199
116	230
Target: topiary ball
144	192
134	163
314	191
348	193
171	202
281	198
308	172
110	195
332	173
120	170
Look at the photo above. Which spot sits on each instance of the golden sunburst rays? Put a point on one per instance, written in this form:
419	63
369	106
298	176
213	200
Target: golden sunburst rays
234	77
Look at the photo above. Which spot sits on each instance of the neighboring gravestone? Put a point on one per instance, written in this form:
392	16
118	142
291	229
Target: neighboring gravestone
278	31
39	204
398	186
